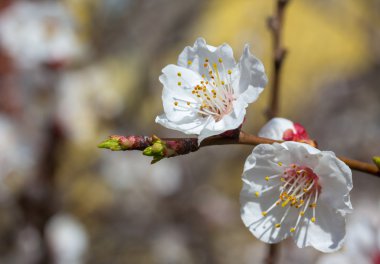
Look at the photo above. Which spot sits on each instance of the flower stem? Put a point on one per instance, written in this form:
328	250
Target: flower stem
182	146
275	24
273	252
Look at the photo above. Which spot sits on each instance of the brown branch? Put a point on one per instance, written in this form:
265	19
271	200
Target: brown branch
172	147
275	24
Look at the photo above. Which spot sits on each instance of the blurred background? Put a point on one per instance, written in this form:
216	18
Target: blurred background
73	72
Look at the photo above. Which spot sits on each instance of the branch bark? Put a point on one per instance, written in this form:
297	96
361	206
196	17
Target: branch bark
172	147
275	24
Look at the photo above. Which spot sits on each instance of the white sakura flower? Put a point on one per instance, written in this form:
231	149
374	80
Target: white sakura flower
294	189
283	129
207	92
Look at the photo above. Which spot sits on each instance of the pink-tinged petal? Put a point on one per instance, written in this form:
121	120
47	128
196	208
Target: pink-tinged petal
301	131
275	128
288	135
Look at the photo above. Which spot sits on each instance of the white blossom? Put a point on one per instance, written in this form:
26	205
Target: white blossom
36	33
294	189
207	92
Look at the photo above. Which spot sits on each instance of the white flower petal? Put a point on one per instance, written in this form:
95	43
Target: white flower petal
336	183
178	89
189	126
327	234
252	76
201	51
275	128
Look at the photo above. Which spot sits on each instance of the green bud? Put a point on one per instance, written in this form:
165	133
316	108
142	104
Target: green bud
111	143
376	160
148	151
158	147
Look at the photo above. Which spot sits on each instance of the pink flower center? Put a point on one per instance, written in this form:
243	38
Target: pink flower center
299	134
213	96
299	189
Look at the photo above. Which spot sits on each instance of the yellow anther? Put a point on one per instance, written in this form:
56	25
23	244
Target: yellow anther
188	103
286	202
189	62
292	229
205	65
214	65
277	225
279	163
202	82
179	83
223	83
302	213
264	213
267	178
282	179
313	219
203	76
220	60
179	74
214	96
206	60
257	194
294	166
298	172
175	103
305	190
313	205
229	71
278	203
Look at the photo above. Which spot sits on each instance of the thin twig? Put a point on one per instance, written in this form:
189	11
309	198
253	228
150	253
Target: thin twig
275	24
172	147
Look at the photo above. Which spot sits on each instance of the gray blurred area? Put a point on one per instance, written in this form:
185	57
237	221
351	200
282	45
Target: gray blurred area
73	72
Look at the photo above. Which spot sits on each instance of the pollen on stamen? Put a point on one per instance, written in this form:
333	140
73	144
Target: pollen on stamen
266	178
179	74
229	72
205	65
220	60
188	103
179	83
189	62
292	229
277	225
206	60
279	163
264	213
312	219
257	194
223	82
176	103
